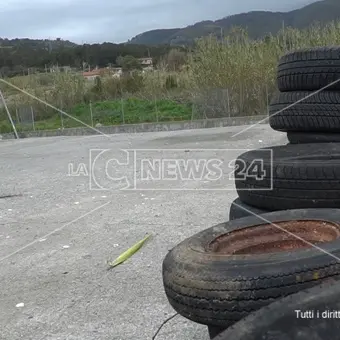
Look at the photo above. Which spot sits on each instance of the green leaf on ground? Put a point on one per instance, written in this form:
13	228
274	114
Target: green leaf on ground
128	253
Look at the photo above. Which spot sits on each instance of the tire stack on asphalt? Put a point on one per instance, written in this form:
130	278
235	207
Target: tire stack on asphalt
308	104
306	171
224	273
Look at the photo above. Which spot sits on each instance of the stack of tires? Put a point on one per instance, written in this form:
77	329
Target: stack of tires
305	172
308	104
265	251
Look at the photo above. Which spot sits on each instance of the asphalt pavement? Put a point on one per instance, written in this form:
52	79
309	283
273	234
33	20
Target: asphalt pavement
83	201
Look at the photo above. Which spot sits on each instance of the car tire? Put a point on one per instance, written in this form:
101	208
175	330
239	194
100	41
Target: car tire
215	331
312	137
238	209
271	322
309	69
293	176
305	112
210	279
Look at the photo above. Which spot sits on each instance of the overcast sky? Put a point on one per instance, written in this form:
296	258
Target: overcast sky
117	20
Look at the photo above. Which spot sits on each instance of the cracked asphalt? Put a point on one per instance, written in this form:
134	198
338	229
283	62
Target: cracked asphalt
58	234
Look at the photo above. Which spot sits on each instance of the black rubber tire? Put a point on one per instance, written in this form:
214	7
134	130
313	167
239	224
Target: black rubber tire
301	175
238	209
317	113
279	320
214	331
219	290
312	137
309	69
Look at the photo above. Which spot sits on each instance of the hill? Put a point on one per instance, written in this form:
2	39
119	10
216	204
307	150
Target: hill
36	43
160	36
257	23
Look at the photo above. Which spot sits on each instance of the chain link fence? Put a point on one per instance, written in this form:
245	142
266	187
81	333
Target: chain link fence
204	104
222	103
24	117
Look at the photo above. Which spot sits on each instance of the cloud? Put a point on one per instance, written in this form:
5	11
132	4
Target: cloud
102	20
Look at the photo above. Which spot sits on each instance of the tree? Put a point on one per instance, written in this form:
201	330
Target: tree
5	71
130	63
175	60
38	53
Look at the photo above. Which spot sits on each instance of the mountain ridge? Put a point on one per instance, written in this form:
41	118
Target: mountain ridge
37	43
257	23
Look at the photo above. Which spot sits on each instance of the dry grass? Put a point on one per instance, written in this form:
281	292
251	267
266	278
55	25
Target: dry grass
248	68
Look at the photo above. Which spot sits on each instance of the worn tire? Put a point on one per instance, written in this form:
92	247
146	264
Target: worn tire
271	322
219	290
214	331
317	113
238	209
312	137
301	175
309	69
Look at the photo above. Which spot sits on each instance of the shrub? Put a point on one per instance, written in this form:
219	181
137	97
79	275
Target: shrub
132	82
170	82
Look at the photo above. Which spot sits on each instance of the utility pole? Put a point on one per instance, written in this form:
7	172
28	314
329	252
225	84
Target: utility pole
284	36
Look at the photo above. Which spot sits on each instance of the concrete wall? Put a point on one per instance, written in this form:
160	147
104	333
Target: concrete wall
145	127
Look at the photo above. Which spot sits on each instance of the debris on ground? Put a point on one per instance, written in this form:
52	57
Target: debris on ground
128	253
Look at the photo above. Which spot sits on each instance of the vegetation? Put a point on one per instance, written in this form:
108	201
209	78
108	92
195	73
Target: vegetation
235	77
128	63
24	56
114	112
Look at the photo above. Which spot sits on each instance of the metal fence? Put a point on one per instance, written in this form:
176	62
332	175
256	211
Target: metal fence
24	117
208	104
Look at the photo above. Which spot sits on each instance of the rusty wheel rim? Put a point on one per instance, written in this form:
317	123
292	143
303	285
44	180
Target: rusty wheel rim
267	238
